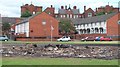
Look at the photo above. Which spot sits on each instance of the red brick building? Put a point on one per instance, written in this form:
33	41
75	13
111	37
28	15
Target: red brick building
37	26
33	9
113	26
88	13
50	11
107	9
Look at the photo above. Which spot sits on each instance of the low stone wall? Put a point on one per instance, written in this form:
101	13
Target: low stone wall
35	39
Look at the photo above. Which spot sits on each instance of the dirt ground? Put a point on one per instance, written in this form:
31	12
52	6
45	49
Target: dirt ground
60	50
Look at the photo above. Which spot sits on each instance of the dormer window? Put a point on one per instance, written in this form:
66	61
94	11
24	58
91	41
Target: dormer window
89	14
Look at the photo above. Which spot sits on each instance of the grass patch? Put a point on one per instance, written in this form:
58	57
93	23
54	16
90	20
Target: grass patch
56	61
54	42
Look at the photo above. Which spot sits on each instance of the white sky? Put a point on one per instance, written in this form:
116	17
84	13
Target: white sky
11	8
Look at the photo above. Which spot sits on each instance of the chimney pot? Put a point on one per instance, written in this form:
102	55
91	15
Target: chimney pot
62	7
65	7
74	7
51	6
96	9
84	8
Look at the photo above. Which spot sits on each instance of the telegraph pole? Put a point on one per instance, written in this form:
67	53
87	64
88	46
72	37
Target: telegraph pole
51	30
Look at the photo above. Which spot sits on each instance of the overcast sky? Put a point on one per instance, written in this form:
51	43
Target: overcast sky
11	8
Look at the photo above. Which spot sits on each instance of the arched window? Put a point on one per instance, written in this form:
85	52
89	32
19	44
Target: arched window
96	30
88	30
101	30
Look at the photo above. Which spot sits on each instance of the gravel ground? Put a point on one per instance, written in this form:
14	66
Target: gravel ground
60	50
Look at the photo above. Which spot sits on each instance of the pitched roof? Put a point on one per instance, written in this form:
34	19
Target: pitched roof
75	11
27	19
11	20
92	19
63	11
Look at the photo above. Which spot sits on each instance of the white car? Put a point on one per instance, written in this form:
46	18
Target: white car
64	38
3	38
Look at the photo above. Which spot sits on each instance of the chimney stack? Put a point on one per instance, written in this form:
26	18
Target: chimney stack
84	8
65	7
74	7
51	6
62	7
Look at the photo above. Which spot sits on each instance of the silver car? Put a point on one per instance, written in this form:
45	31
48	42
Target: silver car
3	38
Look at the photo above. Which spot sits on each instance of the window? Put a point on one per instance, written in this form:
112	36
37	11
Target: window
67	15
99	23
70	15
95	23
49	13
76	16
89	14
33	12
56	15
43	22
61	16
119	22
64	16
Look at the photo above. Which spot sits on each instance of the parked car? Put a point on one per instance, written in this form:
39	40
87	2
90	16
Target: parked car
105	39
3	38
88	39
97	38
64	38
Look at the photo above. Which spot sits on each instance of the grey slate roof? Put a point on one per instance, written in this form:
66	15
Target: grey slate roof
75	11
92	19
63	11
10	20
27	19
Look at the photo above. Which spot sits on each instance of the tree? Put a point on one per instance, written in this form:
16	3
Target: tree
66	27
26	14
100	13
5	28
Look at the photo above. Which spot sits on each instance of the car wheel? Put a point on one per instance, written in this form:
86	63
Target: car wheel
5	40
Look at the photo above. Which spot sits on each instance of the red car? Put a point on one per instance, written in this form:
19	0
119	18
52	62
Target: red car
105	39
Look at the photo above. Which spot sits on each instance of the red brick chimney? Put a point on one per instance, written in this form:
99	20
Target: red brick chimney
62	7
96	9
84	8
74	7
65	7
51	6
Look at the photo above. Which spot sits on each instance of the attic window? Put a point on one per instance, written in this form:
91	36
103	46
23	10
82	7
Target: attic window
89	14
43	22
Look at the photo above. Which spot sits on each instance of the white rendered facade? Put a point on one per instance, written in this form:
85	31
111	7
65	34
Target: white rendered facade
22	28
90	28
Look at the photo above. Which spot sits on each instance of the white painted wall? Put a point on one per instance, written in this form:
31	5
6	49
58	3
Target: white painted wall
22	28
92	25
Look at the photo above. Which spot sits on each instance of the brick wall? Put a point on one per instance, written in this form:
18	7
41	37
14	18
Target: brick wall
37	29
113	28
31	8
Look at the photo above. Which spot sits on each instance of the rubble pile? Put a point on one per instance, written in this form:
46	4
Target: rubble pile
60	50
